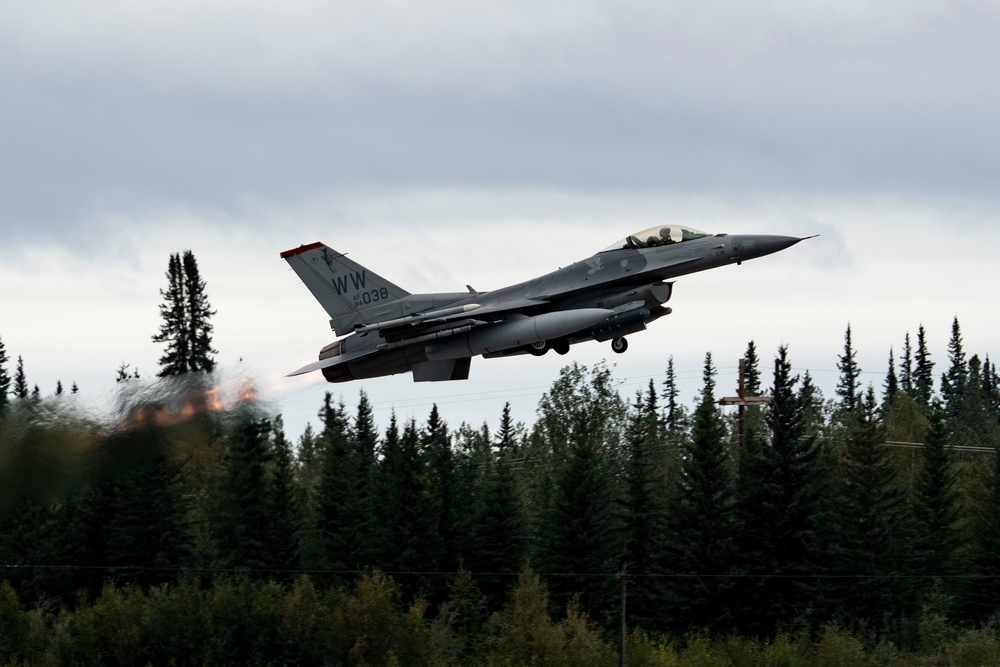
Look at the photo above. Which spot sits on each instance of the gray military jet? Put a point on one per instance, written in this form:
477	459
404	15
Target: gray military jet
386	330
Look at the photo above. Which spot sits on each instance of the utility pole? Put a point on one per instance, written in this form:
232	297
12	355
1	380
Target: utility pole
742	401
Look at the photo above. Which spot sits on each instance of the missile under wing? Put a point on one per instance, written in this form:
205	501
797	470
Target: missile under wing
384	330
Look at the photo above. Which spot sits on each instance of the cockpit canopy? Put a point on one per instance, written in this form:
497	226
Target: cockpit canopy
657	236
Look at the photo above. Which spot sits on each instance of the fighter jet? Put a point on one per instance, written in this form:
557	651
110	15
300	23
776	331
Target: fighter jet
385	330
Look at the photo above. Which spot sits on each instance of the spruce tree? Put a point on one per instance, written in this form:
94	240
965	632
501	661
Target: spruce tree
199	317
240	512
499	538
365	444
578	544
144	531
923	373
936	505
505	436
982	586
849	385
409	545
783	491
953	383
751	371
436	443
4	379
906	367
670	393
336	503
643	512
20	381
891	386
701	528
186	315
752	416
284	509
872	525
811	400
990	383
173	329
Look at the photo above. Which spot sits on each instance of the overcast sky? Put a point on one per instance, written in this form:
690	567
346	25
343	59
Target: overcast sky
446	143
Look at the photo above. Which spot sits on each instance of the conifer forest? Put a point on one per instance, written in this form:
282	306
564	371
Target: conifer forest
861	528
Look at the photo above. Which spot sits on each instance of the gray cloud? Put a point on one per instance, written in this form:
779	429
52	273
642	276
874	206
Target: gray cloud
212	108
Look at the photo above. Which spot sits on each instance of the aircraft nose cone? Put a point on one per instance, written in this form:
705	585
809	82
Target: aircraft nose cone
757	245
768	244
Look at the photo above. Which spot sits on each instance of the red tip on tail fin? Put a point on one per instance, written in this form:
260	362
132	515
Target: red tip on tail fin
300	249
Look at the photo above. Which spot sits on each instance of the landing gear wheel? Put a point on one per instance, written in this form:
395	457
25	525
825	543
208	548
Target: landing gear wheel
560	346
619	345
538	349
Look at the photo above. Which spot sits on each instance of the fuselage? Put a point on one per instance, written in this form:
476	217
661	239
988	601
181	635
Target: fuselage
611	294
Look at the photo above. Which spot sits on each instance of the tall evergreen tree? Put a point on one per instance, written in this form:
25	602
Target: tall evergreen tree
186	327
173	329
436	443
20	381
991	389
701	534
670	394
499	539
644	512
365	443
284	521
936	505
849	384
752	417
923	373
240	512
783	490
336	504
906	367
751	371
199	317
811	399
871	514
579	537
4	379
891	386
970	418
982	587
409	545
953	382
505	436
144	525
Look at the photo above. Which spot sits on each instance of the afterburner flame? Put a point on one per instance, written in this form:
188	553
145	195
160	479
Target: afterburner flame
191	403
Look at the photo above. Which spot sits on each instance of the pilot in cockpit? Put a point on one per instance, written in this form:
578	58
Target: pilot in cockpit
665	238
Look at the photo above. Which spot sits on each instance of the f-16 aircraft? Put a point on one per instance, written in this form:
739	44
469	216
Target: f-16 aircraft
385	330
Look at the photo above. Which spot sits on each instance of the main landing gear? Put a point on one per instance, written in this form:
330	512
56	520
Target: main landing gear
541	347
538	349
618	345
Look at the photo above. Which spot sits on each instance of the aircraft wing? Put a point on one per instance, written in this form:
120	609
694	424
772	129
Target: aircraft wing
418	328
417	324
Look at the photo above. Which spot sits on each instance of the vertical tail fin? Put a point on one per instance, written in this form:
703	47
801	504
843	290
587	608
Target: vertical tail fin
342	286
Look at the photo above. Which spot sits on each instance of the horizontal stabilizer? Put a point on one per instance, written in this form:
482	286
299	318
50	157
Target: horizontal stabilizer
331	361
